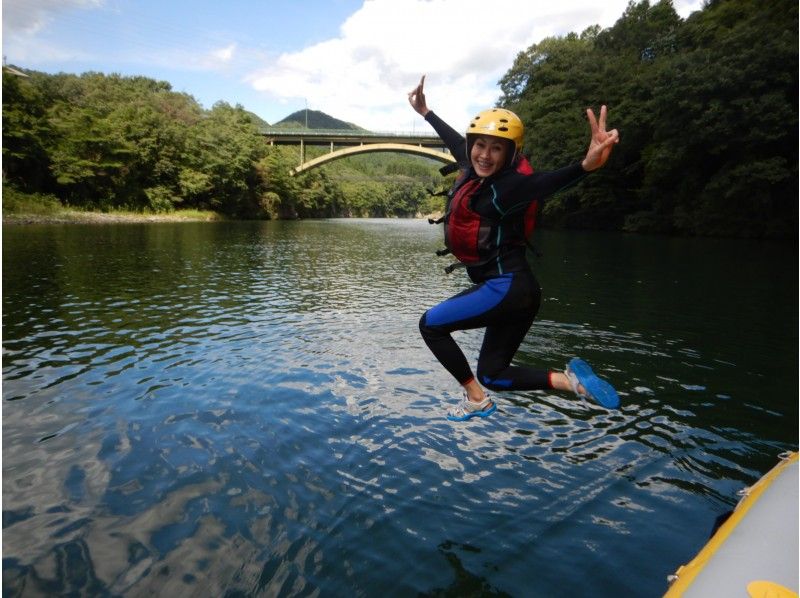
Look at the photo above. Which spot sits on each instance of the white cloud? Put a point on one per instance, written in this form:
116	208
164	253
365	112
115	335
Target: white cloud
464	47
33	36
216	59
26	17
225	54
24	20
362	75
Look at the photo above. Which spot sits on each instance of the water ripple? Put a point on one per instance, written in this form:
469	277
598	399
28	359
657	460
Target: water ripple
206	409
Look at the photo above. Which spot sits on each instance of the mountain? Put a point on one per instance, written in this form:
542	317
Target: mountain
316	120
257	119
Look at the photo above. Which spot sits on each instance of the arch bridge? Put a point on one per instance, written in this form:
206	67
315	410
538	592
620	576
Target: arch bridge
345	142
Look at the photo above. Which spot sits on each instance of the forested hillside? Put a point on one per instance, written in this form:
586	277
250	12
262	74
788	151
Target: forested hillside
707	113
103	142
706	108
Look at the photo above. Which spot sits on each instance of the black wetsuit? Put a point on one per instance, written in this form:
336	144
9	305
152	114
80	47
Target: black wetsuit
505	297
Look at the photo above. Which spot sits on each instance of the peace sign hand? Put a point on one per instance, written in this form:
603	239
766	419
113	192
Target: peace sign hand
601	143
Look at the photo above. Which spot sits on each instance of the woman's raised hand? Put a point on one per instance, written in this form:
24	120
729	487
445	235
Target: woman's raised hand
416	97
601	143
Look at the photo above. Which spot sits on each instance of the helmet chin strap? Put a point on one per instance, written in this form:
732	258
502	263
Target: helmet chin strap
514	156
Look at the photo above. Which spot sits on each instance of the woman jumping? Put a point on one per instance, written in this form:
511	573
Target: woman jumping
487	212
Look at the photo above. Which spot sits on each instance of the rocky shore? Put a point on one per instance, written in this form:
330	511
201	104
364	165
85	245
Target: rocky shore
76	217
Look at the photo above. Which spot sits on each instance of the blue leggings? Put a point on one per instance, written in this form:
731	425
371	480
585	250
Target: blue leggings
506	306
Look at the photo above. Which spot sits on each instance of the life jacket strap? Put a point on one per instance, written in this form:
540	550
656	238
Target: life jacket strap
449	168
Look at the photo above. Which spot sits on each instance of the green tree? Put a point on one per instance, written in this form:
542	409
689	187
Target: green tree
723	159
280	190
225	146
706	109
26	133
159	125
88	154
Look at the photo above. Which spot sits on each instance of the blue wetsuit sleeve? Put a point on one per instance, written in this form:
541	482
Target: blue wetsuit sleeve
454	140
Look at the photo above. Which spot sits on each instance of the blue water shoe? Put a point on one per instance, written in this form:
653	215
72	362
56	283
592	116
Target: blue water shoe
597	389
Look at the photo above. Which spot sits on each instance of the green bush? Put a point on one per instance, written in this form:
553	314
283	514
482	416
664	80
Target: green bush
17	202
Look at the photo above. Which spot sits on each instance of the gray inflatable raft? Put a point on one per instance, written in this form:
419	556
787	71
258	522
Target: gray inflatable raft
754	554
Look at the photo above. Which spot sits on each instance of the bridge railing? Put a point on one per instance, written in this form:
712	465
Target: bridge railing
278	132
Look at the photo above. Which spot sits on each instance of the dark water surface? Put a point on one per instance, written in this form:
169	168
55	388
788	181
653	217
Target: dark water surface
248	409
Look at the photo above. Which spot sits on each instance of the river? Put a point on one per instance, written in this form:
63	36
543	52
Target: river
237	409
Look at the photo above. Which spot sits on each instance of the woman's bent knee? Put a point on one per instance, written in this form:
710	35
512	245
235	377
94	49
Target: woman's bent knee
428	332
425	330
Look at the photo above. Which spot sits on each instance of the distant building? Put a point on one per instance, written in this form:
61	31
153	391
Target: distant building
13	71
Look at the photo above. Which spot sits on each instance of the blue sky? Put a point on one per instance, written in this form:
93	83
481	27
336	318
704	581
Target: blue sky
353	59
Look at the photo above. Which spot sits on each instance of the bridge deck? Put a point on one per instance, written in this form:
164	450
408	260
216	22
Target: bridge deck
346	137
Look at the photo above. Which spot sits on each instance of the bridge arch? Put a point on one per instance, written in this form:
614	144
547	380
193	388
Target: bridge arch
374	147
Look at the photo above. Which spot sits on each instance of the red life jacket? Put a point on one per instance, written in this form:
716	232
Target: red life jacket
474	239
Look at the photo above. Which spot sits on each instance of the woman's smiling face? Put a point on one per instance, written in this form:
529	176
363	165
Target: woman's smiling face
488	155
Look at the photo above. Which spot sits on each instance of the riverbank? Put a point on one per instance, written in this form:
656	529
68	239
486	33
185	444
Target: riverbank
65	216
79	217
38	208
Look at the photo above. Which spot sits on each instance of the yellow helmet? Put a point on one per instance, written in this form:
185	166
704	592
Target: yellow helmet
498	122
